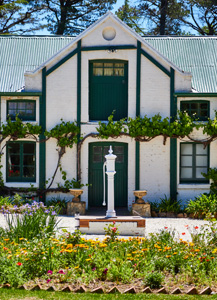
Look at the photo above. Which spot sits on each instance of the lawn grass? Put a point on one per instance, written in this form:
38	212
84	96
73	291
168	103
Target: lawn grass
15	294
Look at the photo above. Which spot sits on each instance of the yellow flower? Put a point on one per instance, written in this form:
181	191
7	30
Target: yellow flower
9	256
77	267
6	240
214	251
174	253
198	250
168	256
88	259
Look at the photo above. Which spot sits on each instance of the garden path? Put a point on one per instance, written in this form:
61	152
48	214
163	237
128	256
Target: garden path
182	226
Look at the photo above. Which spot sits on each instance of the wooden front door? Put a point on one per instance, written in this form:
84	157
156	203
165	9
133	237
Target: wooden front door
108	81
97	152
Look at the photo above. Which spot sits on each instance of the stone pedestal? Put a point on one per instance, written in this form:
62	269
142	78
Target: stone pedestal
76	207
143	209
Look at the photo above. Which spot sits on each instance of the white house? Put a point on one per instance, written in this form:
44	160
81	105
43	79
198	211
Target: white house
109	67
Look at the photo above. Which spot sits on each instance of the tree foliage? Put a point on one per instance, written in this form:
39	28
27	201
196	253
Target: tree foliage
163	17
73	16
202	16
131	16
19	16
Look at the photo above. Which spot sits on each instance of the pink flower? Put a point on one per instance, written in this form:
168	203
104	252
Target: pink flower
61	272
50	272
114	229
113	222
48	280
105	271
165	227
19	264
196	227
183	233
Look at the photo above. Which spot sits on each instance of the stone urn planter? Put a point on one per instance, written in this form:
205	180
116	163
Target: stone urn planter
140	194
76	193
140	208
76	205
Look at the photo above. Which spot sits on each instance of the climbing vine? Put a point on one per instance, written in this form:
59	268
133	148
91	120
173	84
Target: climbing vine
142	129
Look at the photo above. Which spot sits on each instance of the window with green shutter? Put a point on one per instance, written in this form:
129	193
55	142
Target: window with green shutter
24	109
21	162
199	109
194	160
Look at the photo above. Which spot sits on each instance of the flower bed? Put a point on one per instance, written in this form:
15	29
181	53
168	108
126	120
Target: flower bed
157	261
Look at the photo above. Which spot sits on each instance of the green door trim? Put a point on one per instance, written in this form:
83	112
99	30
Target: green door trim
91	145
138	90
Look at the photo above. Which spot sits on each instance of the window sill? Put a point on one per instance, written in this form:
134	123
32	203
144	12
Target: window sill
21	184
194	186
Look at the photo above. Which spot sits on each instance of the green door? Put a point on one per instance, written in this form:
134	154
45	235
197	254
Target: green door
108	83
97	152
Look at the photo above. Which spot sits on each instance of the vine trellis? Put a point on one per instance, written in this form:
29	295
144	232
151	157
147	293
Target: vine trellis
141	129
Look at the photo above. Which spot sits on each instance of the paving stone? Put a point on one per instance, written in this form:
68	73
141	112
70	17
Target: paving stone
192	291
67	289
147	290
206	291
81	289
130	291
162	291
176	291
113	290
37	287
98	290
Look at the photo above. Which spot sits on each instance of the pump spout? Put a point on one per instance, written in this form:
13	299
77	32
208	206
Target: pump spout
104	166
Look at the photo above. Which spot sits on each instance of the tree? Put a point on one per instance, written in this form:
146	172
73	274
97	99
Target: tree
130	15
19	16
73	16
163	16
202	16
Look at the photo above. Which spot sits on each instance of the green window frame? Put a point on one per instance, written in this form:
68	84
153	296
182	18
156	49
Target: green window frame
21	161
194	160
199	109
24	109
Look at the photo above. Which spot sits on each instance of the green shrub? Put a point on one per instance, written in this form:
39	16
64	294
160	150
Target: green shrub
203	206
154	279
169	205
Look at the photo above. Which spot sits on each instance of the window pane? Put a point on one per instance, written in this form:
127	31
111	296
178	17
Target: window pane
119	65
28	148
14	148
198	172
186	173
110	65
106	150
118	72
28	172
194	106
108	72
98	71
14	171
186	148
29	160
97	158
12	113
201	161
97	149
21	105
118	150
14	159
119	159
200	149
204	106
185	106
186	161
97	65
12	105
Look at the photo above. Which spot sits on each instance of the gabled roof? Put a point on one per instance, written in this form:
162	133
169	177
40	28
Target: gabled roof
197	55
103	19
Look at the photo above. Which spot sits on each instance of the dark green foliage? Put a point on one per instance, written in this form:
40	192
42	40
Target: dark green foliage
154	279
203	205
65	133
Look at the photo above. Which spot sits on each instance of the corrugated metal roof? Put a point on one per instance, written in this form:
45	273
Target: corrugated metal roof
197	55
24	53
